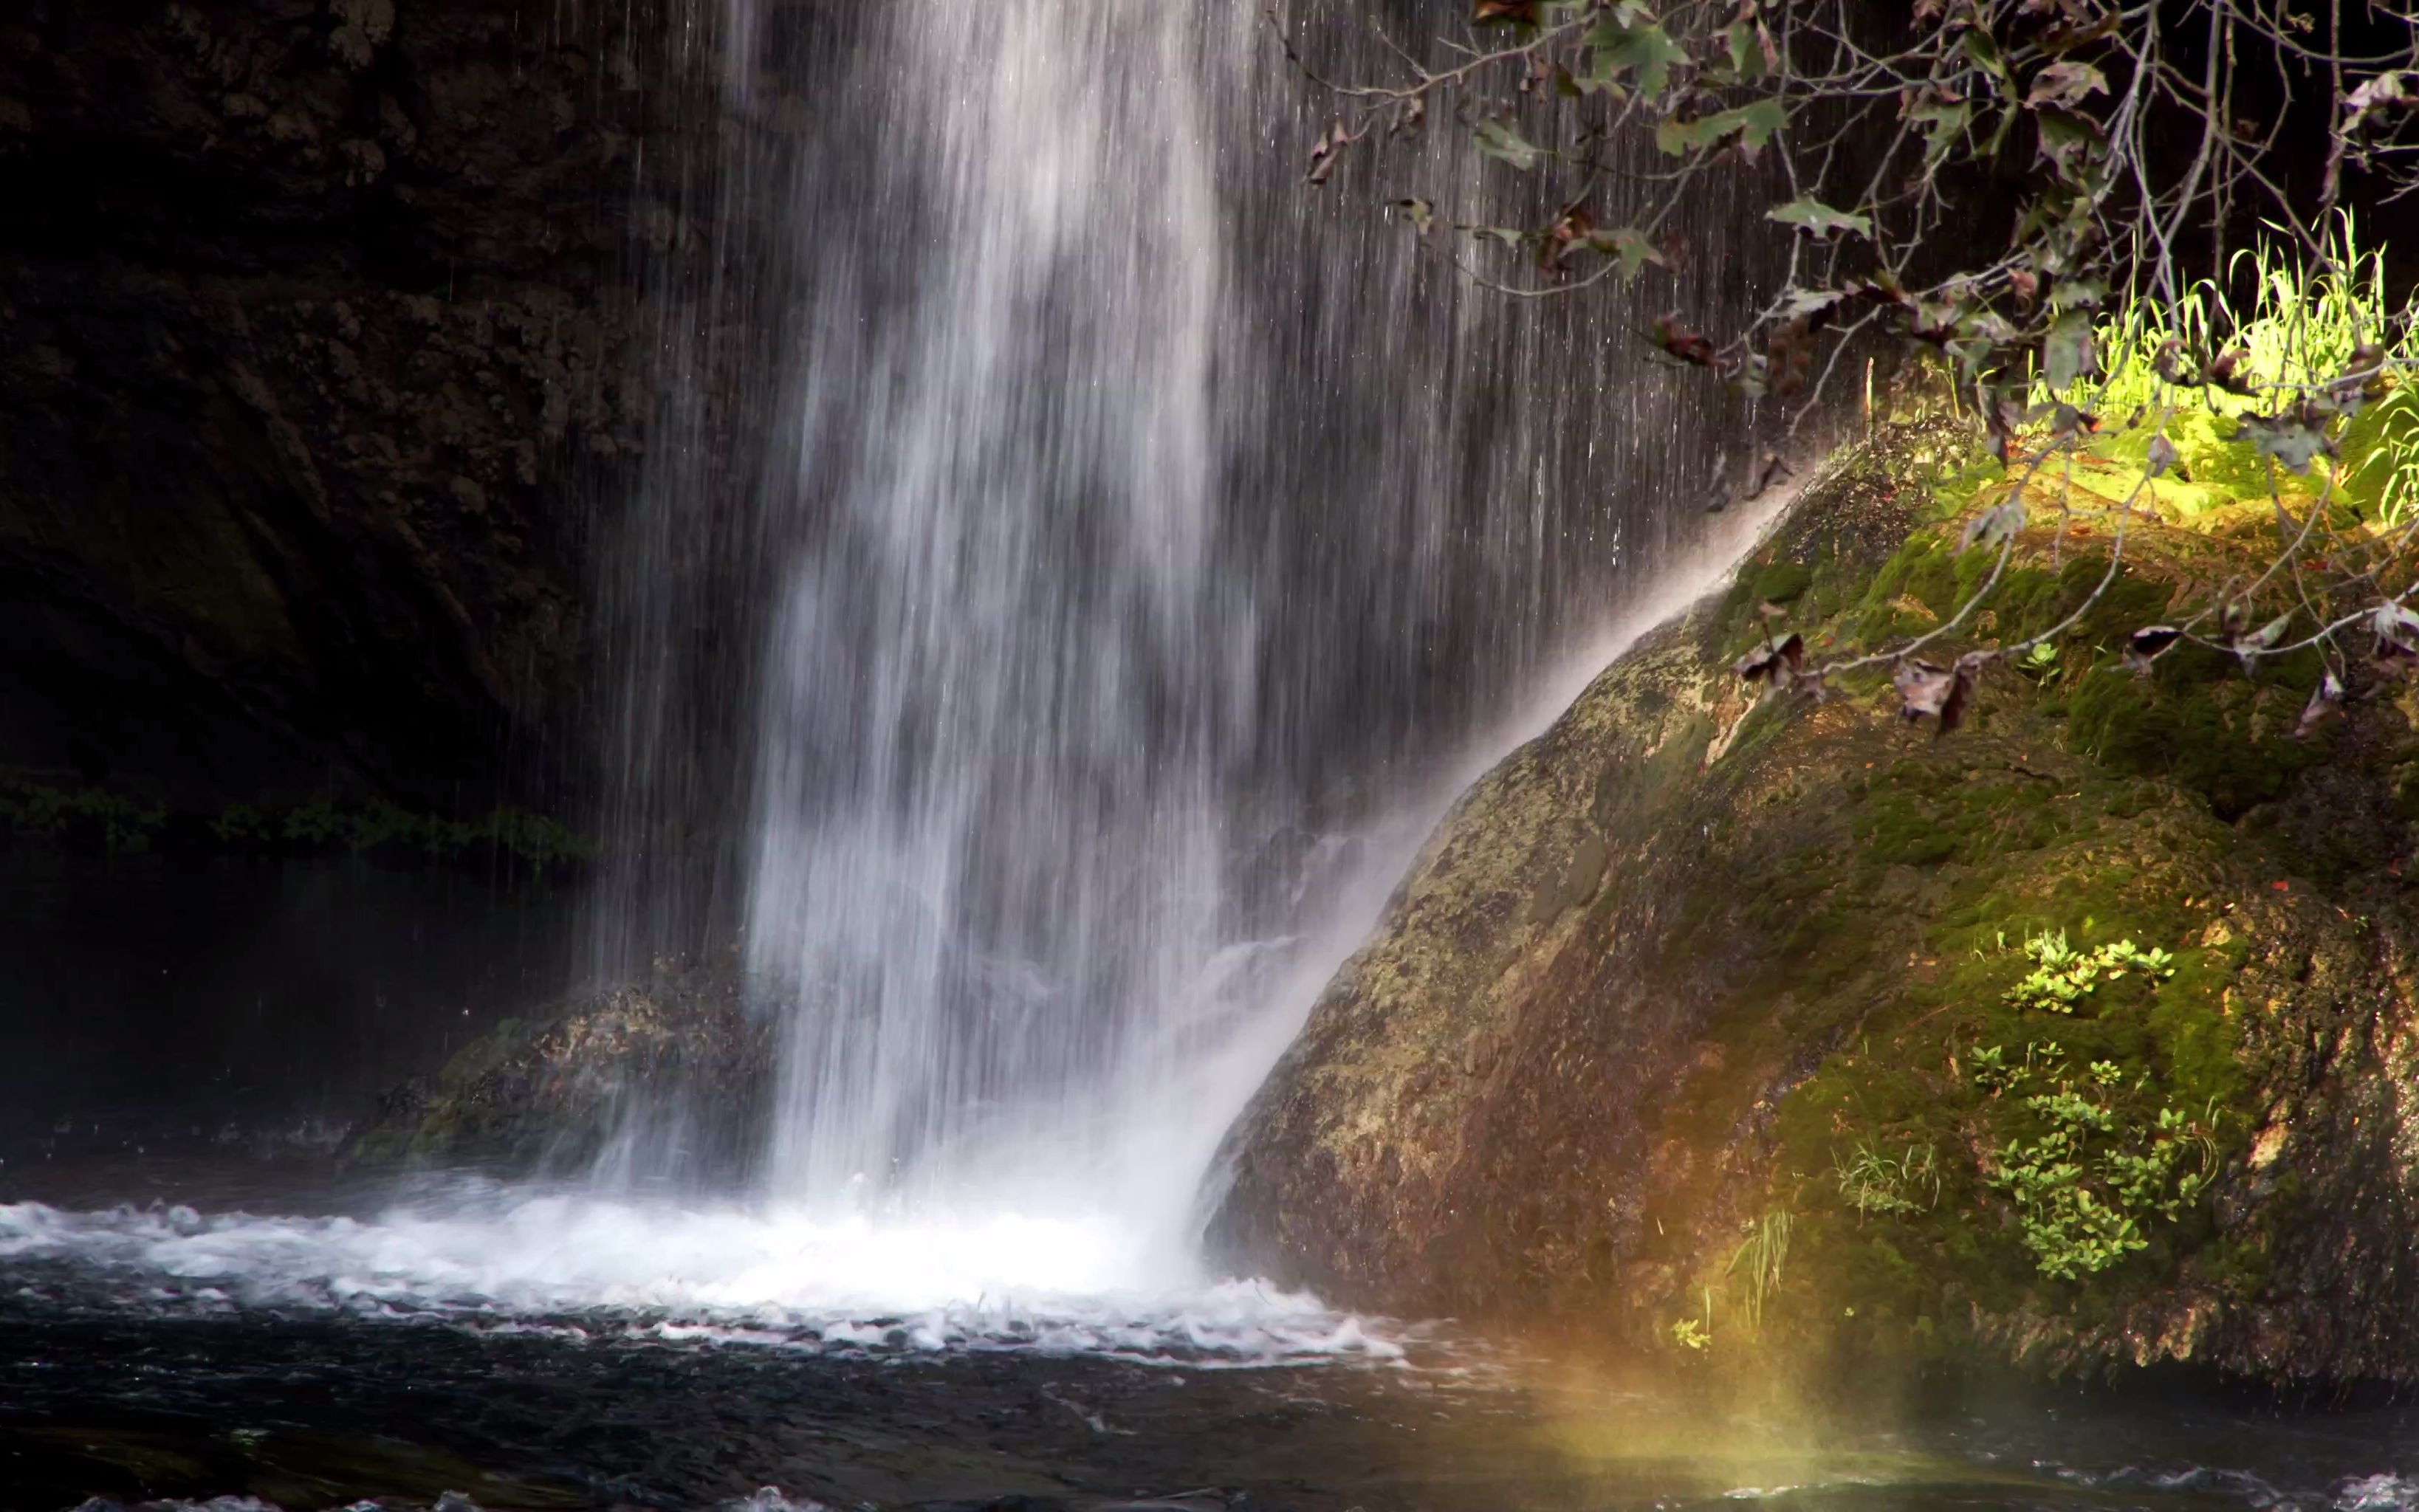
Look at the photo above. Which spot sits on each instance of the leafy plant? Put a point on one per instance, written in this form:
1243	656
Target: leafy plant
2062	977
1988	1068
2392	464
2118	297
2089	1180
1876	1181
1696	1332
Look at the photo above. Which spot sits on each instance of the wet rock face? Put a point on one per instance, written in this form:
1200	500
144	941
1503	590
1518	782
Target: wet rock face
1697	1023
674	1069
1462	1126
315	320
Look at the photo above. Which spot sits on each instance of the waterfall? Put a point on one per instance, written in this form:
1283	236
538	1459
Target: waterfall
1003	688
1065	531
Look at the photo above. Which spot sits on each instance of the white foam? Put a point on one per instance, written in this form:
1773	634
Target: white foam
2377	1493
770	1277
770	1499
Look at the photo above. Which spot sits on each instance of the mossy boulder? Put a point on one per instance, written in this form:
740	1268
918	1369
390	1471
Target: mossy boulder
673	1071
1721	1021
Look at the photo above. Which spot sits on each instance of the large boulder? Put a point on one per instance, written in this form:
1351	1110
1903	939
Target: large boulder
669	1077
1747	1026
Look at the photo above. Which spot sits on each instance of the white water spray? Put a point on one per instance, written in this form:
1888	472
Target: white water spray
1001	695
1023	662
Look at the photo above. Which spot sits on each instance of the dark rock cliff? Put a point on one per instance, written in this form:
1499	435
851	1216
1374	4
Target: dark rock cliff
316	321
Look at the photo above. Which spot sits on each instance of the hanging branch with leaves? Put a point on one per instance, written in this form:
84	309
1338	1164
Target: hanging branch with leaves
2002	182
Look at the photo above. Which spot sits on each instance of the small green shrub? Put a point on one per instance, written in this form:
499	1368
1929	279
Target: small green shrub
1696	1332
2062	977
241	823
2089	1180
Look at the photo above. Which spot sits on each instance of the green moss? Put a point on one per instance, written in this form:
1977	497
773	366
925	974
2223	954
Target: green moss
1887	932
2195	727
1931	577
1826	909
1783	582
2213	469
1903	1087
117	822
1956	492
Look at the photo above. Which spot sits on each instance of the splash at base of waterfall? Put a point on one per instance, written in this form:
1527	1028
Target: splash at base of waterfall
520	1349
493	1259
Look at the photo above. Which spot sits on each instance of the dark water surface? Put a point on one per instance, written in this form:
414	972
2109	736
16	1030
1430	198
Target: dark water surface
153	1003
313	1413
141	1386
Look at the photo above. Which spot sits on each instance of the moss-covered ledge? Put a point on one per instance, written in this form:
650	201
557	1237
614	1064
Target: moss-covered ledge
36	810
1765	1034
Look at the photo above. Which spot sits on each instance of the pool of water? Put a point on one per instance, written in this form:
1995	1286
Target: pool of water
153	1005
316	1345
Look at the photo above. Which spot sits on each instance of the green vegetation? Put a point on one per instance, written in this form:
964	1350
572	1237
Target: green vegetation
1963	1149
2098	848
1991	1017
2293	320
1697	1333
119	823
2089	1178
2103	275
1875	1182
2062	977
2106	333
31	811
1757	1264
2294	315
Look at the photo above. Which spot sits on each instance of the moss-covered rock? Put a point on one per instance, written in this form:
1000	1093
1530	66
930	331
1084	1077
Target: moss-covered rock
1770	1032
673	1068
